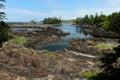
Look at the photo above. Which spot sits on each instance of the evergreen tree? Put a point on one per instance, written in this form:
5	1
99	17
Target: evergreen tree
91	20
103	21
110	66
114	21
96	19
110	61
2	14
4	28
79	21
52	20
86	19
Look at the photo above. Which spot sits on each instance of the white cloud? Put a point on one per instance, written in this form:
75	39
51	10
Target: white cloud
24	14
110	7
113	5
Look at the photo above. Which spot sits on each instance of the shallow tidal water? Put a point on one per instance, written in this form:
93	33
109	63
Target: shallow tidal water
75	32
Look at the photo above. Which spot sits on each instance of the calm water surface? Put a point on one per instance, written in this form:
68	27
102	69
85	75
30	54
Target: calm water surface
75	31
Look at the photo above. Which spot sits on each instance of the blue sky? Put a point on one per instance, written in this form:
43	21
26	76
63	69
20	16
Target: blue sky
26	10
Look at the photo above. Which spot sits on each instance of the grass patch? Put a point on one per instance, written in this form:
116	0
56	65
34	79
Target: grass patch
89	75
48	54
105	46
18	39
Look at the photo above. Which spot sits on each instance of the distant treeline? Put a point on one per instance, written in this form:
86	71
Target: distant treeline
109	22
52	20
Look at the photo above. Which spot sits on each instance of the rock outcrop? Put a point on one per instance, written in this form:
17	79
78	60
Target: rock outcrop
20	63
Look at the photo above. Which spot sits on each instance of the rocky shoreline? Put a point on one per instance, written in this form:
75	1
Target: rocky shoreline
24	62
99	32
91	45
102	33
40	37
28	64
19	62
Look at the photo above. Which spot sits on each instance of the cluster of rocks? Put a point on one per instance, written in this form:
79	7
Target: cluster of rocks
46	36
40	37
102	33
88	46
20	63
16	61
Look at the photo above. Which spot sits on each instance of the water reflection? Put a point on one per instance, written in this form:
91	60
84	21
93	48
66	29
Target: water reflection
75	31
81	30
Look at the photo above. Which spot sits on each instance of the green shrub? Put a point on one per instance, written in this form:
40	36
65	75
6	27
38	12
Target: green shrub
4	32
18	39
104	46
89	75
48	54
52	20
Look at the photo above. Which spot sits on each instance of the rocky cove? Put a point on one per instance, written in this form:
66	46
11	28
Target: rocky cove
24	62
60	36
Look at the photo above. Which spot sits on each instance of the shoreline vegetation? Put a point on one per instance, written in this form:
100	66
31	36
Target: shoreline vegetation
62	62
23	47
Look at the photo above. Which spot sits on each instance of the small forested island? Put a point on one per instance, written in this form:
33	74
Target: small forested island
52	20
84	48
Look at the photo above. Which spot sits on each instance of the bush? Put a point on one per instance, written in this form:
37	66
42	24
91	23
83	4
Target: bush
89	75
105	46
110	66
52	20
4	32
18	39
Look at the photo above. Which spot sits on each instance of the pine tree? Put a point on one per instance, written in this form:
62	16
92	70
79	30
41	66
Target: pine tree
4	28
2	14
114	21
110	66
110	61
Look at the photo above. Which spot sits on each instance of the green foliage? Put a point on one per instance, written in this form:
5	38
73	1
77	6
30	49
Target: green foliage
48	54
1	5
114	21
4	32
32	22
102	21
78	21
89	75
4	27
18	39
100	76
89	20
94	76
67	21
104	24
110	66
52	20
2	14
110	22
105	46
